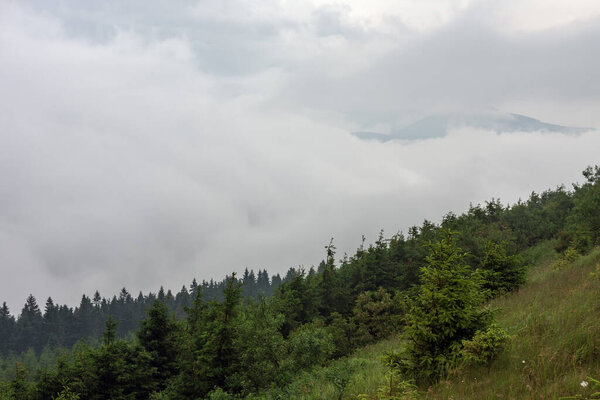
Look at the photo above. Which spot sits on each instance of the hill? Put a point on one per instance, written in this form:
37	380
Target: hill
423	300
553	321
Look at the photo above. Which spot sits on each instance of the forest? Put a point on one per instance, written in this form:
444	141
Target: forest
250	337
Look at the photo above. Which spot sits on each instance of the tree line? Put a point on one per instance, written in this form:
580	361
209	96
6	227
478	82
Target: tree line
61	326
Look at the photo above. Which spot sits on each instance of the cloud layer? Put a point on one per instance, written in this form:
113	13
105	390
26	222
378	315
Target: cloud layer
143	145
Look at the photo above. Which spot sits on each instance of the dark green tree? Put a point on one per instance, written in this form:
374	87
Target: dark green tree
446	311
584	222
158	337
377	315
501	273
29	327
110	331
260	345
7	327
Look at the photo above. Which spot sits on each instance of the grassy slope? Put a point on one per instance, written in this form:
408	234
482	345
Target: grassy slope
555	321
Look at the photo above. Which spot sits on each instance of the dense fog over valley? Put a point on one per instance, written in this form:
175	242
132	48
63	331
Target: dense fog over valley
147	143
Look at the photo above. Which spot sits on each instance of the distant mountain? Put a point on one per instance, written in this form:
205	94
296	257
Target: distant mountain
439	125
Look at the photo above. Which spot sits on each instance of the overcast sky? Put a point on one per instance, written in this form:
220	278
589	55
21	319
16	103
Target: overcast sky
145	143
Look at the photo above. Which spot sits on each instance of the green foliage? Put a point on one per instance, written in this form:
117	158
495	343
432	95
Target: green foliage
333	296
297	301
158	337
340	374
569	256
67	394
596	273
209	355
344	336
261	347
485	345
446	311
501	273
19	385
309	345
110	331
377	315
395	388
219	394
6	392
584	222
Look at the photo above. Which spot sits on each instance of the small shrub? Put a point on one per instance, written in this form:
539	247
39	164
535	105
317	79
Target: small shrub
569	256
596	274
309	345
377	315
395	387
67	394
485	345
340	373
219	394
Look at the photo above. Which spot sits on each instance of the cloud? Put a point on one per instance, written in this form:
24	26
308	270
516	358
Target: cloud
202	138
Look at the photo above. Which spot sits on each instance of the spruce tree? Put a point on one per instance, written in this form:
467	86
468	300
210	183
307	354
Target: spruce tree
157	336
7	326
502	273
29	327
446	311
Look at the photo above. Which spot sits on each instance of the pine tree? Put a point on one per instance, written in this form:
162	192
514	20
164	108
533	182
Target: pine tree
263	286
446	311
29	327
333	297
157	336
210	357
51	324
224	354
501	273
110	331
97	299
7	327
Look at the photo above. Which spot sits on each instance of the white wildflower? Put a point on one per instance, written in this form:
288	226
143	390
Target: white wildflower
583	384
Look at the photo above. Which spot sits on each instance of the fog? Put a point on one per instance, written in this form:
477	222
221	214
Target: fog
143	145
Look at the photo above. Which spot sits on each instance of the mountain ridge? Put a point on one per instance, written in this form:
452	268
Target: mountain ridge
440	125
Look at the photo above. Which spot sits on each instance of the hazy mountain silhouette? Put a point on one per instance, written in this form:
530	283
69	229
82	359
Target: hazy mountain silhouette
439	125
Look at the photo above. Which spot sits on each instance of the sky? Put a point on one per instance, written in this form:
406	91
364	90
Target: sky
145	143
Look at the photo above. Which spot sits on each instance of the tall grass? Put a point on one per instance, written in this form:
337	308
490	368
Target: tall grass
366	375
555	323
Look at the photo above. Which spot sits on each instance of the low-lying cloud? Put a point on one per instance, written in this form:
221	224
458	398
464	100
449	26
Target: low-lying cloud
128	159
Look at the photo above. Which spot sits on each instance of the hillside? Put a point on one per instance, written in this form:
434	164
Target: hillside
425	302
554	323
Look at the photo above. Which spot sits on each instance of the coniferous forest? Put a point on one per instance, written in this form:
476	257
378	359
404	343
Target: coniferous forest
250	336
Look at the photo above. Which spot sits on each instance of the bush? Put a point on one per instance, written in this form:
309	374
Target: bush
485	345
569	256
308	345
395	388
340	374
377	315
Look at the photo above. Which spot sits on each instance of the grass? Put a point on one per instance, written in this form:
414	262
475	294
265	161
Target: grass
366	373
554	321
